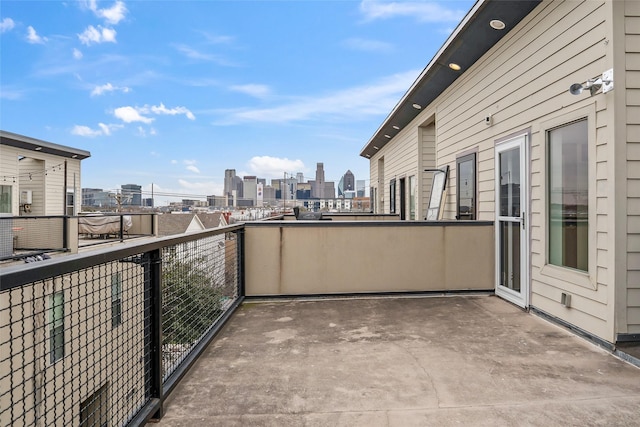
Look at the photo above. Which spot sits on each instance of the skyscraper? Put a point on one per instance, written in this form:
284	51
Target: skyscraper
132	194
317	186
349	181
250	189
360	188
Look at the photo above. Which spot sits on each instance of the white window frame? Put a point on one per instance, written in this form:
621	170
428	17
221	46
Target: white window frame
563	276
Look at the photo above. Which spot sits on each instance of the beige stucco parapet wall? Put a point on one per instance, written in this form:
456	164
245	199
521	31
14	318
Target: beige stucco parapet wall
303	258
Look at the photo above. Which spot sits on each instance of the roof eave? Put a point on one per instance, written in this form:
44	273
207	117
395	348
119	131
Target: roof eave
33	144
437	76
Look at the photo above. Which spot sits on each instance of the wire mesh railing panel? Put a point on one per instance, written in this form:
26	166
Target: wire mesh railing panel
199	284
75	347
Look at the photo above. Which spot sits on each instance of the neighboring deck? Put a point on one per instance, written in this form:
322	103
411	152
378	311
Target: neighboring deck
393	361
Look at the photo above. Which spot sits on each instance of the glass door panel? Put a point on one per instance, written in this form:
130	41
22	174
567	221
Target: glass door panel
511	240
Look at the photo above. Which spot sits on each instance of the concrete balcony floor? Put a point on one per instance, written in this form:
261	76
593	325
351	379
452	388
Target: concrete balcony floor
458	360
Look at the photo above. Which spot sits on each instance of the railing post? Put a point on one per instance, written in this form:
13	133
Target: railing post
153	327
65	232
240	258
121	227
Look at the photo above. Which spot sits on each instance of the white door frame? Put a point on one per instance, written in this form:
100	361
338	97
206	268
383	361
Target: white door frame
521	298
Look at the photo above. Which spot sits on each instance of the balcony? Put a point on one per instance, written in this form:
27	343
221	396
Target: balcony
21	237
290	323
392	361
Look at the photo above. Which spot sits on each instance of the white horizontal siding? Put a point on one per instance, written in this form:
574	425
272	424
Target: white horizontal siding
43	174
9	174
522	82
632	97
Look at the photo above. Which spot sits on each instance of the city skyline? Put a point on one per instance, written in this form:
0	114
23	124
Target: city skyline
171	96
133	194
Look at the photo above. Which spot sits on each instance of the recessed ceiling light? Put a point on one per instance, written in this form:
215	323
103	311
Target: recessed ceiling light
387	136
75	156
497	24
368	155
454	66
396	127
38	148
417	106
376	147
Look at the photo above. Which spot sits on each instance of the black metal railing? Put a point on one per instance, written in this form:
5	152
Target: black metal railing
94	229
102	338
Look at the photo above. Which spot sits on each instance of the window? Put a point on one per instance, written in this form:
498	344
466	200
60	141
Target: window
56	326
70	201
412	197
568	196
5	199
466	187
116	299
392	196
94	411
372	199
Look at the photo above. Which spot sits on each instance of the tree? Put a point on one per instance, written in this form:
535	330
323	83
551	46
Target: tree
191	300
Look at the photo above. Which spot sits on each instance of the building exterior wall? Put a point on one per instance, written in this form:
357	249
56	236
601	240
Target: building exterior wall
95	353
631	40
522	83
44	175
408	154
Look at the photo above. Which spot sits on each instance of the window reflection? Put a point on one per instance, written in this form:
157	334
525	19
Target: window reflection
466	191
568	193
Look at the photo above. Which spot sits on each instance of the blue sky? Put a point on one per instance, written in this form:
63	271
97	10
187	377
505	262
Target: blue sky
175	92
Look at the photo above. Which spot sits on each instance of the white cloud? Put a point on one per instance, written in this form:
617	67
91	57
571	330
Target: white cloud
7	24
77	54
112	15
174	162
191	165
108	87
10	93
145	132
423	11
130	115
106	129
255	90
216	39
161	109
273	167
85	131
359	102
33	37
367	45
103	129
201	188
97	35
192	53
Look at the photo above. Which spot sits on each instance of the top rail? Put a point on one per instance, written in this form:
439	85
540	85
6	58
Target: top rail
19	275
